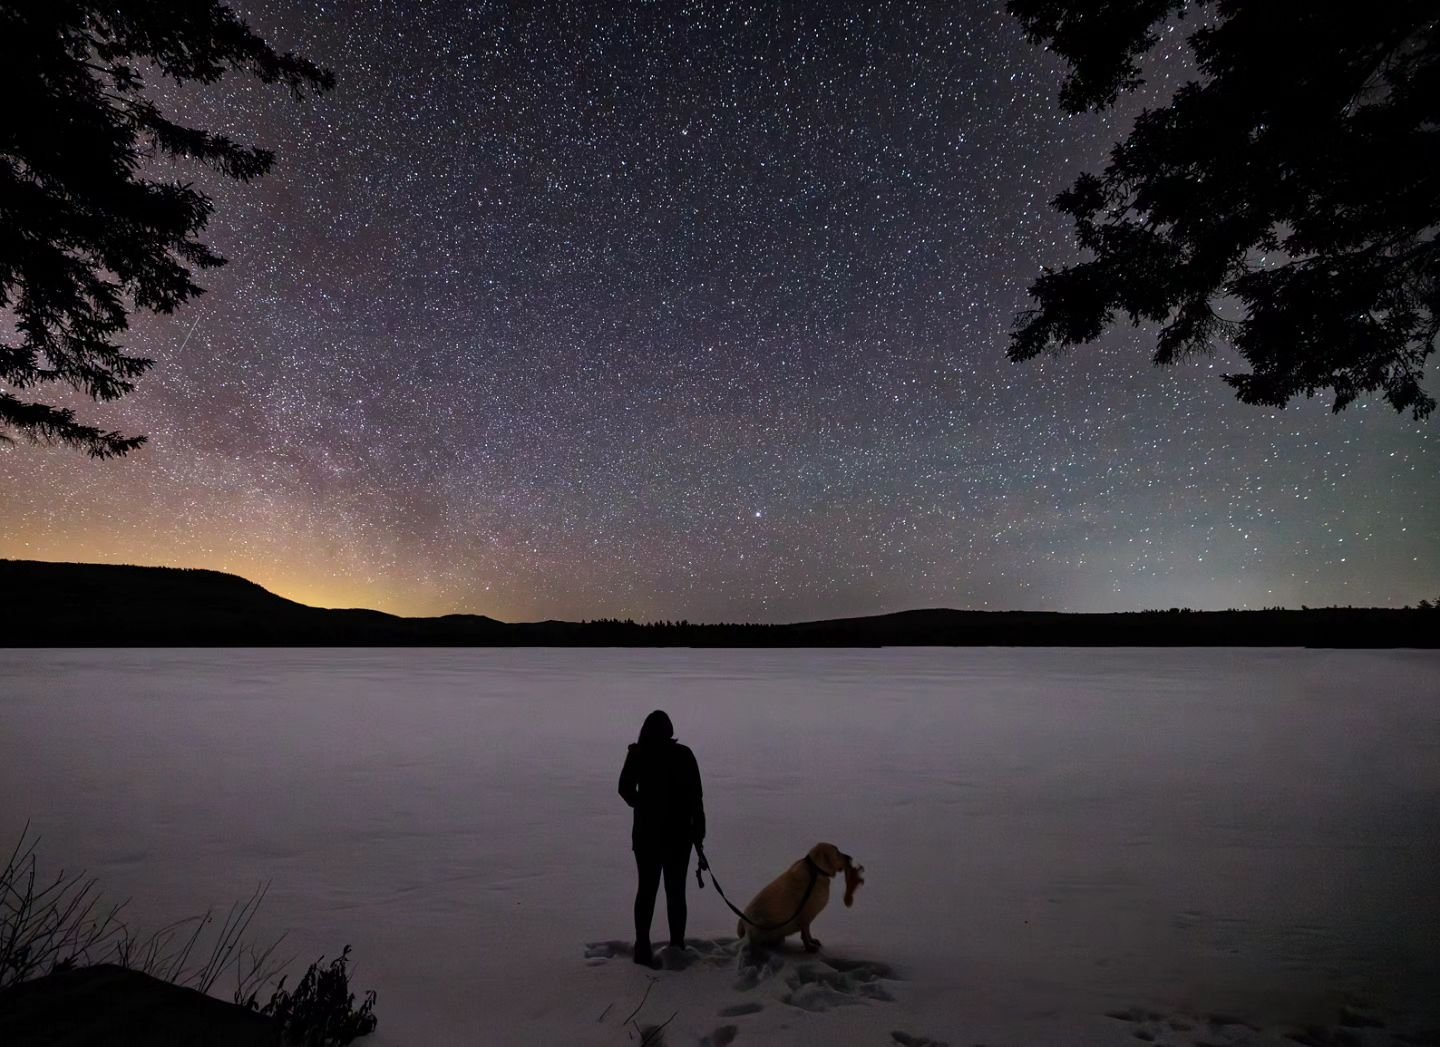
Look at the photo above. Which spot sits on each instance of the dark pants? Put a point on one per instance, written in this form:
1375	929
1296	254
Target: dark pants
652	859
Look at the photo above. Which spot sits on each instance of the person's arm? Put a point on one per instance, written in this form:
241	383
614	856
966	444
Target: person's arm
628	790
697	811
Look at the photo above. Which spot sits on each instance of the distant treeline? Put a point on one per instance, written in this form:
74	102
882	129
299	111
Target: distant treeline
103	605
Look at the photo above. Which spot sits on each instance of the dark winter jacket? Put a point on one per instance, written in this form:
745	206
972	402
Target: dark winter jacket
661	780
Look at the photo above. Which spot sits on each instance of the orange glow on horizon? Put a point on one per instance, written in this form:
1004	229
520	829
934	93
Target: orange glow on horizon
404	597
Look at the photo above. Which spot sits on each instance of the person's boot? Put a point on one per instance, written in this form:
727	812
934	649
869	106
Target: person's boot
645	956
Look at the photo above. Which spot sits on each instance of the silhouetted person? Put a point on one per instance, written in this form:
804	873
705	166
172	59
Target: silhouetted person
661	780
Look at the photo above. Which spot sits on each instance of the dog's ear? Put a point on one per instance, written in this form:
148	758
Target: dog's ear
854	877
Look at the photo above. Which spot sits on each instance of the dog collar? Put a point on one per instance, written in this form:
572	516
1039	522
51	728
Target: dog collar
815	870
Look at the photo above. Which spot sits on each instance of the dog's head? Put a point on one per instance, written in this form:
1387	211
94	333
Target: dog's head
831	860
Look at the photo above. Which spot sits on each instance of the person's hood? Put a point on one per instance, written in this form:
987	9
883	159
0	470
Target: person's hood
657	728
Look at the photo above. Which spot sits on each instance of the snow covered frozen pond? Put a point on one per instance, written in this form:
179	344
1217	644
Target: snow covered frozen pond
1188	840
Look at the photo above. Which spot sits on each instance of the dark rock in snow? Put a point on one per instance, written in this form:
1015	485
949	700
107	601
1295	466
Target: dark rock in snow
110	1006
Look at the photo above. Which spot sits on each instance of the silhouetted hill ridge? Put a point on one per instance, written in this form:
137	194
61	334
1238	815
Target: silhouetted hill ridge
104	605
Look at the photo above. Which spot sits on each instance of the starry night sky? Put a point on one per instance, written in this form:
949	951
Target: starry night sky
694	310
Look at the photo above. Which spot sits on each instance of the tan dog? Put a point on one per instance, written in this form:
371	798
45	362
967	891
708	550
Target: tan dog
807	881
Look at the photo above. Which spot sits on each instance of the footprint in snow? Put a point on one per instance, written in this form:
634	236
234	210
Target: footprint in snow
738	1010
716	952
806	981
905	1039
599	952
824	984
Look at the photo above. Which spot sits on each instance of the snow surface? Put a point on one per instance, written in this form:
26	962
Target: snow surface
1061	846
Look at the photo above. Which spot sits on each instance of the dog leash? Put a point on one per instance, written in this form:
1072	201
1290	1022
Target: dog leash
704	865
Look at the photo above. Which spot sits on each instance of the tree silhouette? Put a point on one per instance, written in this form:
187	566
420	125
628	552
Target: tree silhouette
1286	202
86	236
